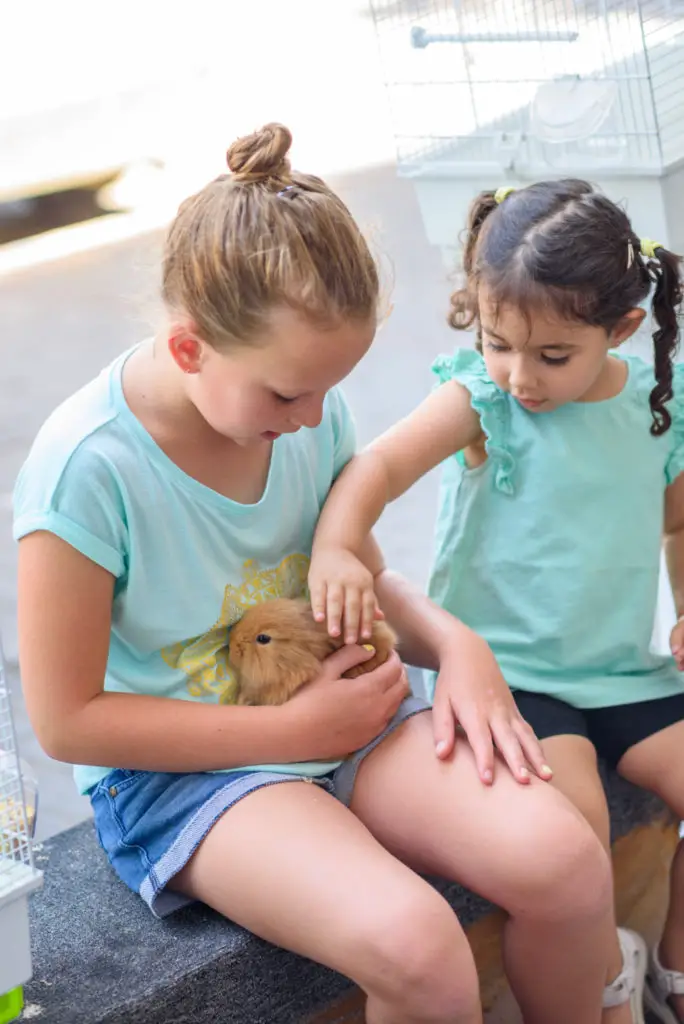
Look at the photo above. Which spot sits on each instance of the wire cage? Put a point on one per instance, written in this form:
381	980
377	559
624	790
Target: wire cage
18	875
534	87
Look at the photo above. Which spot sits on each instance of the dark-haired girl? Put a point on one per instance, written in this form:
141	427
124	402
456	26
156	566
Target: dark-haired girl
563	473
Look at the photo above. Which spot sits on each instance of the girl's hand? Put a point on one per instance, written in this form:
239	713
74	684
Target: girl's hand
342	587
677	643
472	693
339	715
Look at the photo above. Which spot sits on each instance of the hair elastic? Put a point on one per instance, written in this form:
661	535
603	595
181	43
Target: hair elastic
287	192
648	248
503	193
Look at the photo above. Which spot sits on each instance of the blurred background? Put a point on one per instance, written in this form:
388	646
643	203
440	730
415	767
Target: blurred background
109	116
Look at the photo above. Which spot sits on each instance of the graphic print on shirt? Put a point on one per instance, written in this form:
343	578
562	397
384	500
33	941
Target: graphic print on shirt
204	659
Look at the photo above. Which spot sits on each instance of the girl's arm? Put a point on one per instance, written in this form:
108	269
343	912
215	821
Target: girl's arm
64	613
674	556
340	584
471	690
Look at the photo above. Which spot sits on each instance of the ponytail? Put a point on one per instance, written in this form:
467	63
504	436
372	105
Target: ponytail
664	269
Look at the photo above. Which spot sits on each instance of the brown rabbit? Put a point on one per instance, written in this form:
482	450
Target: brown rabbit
277	646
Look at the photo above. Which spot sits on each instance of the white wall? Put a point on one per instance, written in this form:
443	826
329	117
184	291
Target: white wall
673	198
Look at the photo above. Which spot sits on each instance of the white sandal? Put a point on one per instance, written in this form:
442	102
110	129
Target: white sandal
660	985
629	986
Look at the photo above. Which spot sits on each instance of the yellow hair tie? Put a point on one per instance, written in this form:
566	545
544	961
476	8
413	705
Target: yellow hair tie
503	193
648	248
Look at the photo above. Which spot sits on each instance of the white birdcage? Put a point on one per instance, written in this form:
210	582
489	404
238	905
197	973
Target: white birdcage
534	88
18	875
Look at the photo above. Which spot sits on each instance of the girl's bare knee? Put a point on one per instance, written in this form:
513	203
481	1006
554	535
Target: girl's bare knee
418	959
572	874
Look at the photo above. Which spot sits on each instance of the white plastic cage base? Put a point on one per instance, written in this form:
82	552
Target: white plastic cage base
15	962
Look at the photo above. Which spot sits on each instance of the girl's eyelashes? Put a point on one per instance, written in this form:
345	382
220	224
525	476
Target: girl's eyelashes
555	361
549	360
283	398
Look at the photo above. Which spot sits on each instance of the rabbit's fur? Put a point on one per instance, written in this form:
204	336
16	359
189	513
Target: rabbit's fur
277	647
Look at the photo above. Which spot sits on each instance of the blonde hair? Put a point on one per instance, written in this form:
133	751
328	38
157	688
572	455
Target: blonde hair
262	237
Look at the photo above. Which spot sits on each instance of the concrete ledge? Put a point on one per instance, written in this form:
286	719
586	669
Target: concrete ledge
100	958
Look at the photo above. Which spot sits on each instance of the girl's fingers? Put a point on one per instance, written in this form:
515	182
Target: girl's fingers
443	727
510	748
335	606
479	736
368	609
336	664
317	594
352	612
531	748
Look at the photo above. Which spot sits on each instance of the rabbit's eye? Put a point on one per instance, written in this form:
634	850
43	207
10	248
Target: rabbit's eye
263	638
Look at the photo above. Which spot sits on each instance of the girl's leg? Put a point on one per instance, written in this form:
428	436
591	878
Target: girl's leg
576	775
657	764
525	848
293	865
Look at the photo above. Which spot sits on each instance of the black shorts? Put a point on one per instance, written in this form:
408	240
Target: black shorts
613	731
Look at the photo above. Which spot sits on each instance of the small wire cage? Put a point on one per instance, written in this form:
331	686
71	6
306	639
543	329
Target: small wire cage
17	813
18	875
534	87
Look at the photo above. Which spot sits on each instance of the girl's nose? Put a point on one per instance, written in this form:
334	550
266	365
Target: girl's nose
521	376
309	413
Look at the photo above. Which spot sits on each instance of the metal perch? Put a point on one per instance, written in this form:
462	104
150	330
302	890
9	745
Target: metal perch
420	37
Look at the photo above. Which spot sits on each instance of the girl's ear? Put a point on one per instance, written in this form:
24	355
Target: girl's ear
627	326
186	350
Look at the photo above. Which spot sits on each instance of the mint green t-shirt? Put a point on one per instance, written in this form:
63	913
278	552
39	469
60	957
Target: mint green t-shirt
551	549
187	560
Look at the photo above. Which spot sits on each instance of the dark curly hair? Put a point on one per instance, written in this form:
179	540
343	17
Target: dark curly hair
564	246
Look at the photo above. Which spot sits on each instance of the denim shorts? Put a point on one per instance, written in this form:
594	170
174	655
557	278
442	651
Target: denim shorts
150	823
